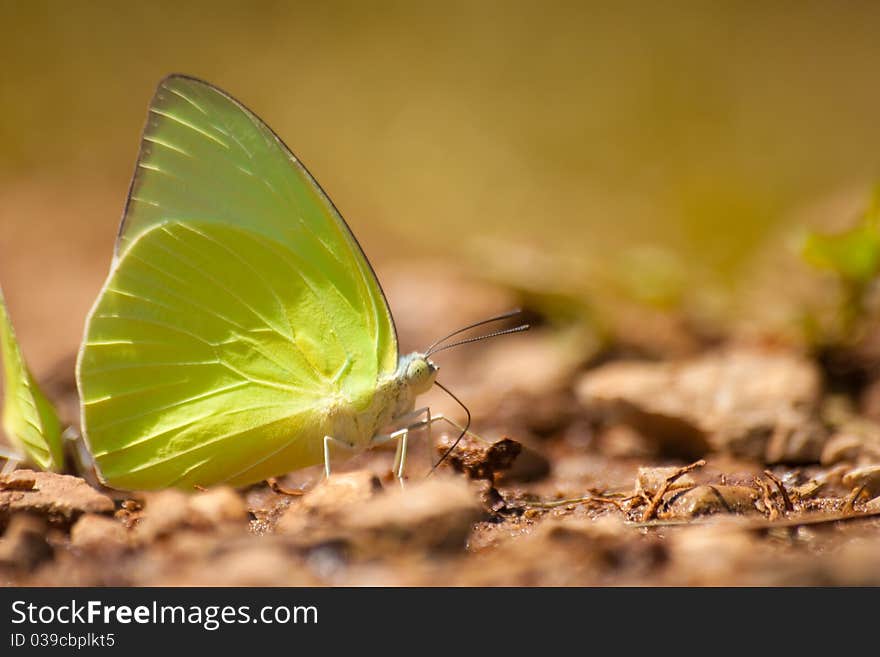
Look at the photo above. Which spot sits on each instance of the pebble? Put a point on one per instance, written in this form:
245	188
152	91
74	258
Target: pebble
704	555
60	498
330	497
841	447
760	404
99	533
23	545
856	440
217	506
703	500
431	514
352	509
164	512
867	476
651	480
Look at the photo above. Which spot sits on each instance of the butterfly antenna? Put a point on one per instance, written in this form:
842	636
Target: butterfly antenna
467	425
496	318
495	334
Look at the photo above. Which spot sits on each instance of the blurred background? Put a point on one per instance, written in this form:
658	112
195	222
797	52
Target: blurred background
576	148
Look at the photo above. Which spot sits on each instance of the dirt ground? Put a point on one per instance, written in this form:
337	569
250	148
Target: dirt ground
662	457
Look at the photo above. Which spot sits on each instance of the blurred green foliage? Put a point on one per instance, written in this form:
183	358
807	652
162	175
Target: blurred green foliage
853	256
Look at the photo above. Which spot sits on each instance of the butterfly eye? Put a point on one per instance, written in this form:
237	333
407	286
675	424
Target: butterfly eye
420	374
417	370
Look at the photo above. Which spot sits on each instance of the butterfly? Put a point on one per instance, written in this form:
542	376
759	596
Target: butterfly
29	420
241	332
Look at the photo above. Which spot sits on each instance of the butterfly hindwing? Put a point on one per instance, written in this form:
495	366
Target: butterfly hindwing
239	306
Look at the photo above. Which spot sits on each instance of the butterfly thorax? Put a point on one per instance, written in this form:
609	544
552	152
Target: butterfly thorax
395	395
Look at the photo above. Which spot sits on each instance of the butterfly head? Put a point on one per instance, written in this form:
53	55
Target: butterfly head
416	372
420	373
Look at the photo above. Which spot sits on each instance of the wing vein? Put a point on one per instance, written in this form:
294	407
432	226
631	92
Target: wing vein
191	126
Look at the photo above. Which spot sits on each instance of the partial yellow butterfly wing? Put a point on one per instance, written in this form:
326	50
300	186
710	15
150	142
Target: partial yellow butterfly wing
29	419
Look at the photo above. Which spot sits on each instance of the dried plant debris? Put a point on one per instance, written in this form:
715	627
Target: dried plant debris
665	487
672	496
504	461
478	459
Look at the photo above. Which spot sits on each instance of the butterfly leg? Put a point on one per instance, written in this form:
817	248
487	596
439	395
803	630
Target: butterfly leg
402	437
338	443
84	462
400	455
13	460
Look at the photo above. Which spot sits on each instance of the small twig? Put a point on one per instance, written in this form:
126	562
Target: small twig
772	511
577	500
807	490
634	501
671	479
786	500
758	525
851	499
282	490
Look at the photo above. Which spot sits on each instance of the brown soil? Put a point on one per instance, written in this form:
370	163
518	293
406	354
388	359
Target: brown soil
727	465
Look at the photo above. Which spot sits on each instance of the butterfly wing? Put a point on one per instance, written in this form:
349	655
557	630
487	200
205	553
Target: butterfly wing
29	419
239	311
